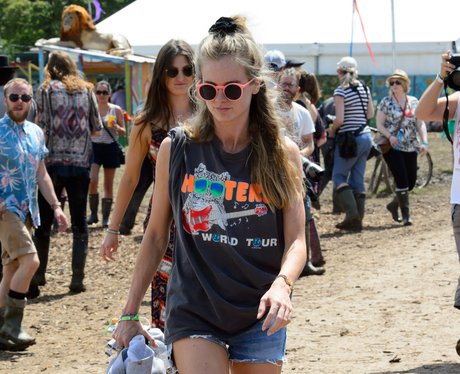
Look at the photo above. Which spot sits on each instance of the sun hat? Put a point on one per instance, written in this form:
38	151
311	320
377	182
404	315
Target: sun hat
399	74
275	59
347	63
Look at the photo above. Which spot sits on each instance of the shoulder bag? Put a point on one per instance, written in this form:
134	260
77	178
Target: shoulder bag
120	151
384	142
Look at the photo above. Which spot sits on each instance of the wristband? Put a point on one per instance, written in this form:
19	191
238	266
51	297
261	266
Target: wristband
129	317
112	231
439	79
426	144
287	280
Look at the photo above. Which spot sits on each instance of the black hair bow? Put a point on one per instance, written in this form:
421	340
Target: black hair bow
224	26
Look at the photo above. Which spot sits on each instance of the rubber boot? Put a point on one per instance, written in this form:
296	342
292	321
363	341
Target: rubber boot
393	208
336	208
352	221
309	268
79	253
42	244
106	208
12	336
360	204
316	254
93	207
403	198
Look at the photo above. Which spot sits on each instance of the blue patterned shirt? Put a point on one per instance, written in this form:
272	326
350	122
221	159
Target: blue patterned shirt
22	148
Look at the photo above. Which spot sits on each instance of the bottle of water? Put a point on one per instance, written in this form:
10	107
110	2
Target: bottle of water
112	325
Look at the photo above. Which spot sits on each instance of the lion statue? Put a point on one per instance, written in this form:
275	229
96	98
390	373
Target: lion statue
79	31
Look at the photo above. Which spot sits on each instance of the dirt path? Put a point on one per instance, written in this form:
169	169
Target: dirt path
383	306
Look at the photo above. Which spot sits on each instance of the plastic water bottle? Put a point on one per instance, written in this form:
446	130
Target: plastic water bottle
112	325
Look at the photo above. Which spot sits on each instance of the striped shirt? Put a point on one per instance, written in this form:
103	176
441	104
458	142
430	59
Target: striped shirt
354	117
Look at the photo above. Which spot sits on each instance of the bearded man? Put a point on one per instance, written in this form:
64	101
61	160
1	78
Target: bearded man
22	151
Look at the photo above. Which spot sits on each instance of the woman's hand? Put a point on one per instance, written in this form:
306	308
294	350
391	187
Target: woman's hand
126	330
109	246
281	310
424	149
393	141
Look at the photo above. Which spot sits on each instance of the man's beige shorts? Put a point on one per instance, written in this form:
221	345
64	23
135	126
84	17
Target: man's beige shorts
15	236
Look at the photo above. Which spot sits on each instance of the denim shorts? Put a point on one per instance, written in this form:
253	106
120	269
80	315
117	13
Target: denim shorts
253	345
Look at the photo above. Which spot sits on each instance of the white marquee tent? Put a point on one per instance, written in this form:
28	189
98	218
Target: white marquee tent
317	32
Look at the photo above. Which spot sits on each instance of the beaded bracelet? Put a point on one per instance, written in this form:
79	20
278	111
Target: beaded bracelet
112	231
129	317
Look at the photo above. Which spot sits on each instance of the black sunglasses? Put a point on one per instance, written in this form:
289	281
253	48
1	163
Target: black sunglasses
16	97
395	82
105	93
172	72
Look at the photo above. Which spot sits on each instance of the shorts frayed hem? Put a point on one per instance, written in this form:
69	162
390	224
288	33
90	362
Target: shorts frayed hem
258	361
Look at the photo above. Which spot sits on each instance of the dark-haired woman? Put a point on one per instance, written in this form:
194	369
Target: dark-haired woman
168	104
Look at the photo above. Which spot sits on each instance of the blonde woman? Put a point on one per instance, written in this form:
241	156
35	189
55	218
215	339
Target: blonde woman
353	107
397	122
233	185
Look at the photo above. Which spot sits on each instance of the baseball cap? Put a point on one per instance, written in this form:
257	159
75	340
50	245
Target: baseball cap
347	63
275	59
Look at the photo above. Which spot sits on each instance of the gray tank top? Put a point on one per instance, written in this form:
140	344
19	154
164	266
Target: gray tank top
228	246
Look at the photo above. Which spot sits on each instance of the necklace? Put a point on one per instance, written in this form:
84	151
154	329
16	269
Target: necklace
407	110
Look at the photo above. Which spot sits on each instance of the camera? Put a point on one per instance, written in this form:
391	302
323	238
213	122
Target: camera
329	119
312	170
453	79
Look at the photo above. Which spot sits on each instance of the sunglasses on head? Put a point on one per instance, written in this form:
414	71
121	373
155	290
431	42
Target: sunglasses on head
232	91
24	98
105	93
173	72
395	82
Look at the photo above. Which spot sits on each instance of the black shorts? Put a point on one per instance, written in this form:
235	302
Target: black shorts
106	155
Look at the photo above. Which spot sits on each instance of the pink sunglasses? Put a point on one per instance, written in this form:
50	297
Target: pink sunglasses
232	91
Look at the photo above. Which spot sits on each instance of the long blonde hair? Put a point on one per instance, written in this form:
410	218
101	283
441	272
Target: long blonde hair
271	167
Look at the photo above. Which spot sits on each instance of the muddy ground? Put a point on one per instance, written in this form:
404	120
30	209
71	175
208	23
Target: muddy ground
384	305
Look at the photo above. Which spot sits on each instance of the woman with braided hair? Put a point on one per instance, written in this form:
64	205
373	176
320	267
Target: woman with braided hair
233	185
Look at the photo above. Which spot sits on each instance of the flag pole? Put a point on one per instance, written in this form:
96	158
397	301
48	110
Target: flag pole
393	34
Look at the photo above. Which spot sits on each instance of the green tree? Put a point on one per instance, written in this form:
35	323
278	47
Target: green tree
22	22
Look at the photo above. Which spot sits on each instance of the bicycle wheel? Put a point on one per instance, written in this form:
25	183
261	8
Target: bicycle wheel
375	178
424	170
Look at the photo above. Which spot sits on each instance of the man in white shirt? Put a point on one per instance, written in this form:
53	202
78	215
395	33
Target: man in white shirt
298	126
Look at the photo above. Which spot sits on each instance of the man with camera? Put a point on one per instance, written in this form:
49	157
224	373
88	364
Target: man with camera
431	107
299	126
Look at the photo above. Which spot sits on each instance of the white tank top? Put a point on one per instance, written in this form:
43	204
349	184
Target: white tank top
455	188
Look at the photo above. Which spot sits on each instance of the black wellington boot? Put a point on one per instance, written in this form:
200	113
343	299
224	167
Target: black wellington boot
403	198
393	208
93	207
106	208
352	221
79	253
